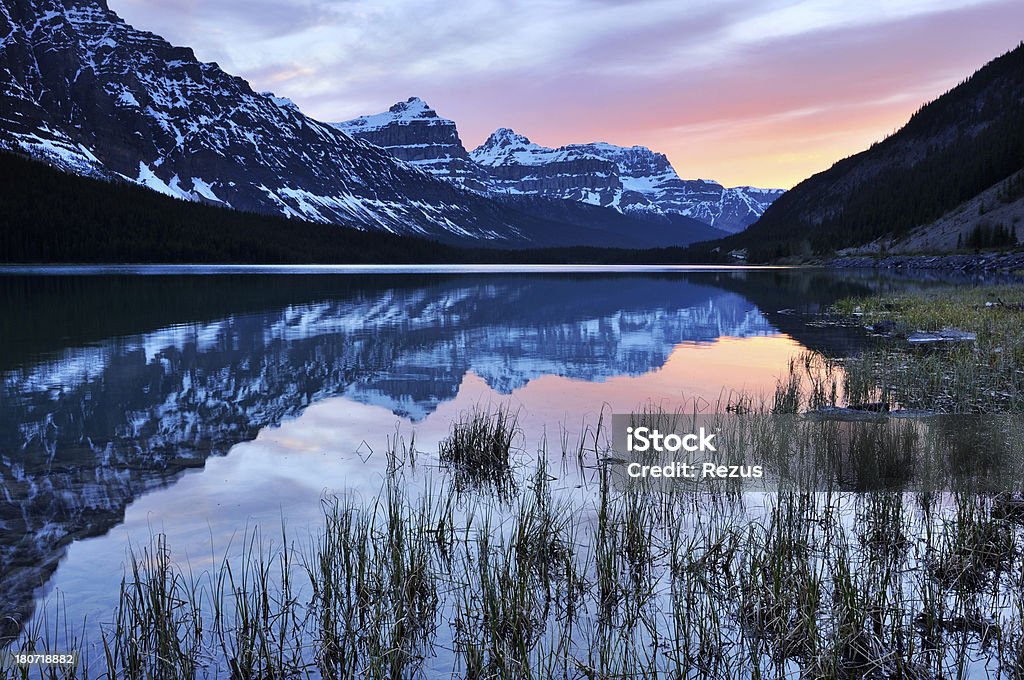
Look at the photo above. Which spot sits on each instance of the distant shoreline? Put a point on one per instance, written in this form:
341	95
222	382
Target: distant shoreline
982	262
84	269
1010	261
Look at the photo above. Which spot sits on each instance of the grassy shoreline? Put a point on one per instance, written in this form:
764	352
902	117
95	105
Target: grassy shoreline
982	376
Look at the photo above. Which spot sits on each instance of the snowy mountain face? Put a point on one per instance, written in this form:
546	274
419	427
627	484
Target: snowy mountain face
413	132
570	173
731	210
570	186
631	180
92	95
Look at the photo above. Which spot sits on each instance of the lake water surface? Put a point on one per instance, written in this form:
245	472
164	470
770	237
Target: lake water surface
197	403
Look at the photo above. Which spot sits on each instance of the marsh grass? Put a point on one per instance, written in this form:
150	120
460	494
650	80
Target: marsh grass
606	581
158	625
479	447
539	593
965	377
811	383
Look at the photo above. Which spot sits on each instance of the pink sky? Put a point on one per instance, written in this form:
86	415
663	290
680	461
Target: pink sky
759	92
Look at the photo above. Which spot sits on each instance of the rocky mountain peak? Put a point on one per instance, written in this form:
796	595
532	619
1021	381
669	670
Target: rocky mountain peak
507	137
283	102
500	143
413	132
414	107
633	161
413	111
507	147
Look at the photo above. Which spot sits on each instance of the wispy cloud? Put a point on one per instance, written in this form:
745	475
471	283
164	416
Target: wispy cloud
735	89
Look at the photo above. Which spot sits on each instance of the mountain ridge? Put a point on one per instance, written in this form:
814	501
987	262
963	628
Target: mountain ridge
414	133
91	95
633	180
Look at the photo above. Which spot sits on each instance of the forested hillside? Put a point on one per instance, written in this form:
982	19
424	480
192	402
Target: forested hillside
49	216
952	149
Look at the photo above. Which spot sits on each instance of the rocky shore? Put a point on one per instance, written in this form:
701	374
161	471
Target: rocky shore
962	262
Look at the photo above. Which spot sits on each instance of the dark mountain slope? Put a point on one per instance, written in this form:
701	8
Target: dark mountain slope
52	216
951	150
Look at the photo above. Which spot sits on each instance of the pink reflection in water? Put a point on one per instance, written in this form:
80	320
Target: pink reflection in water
337	447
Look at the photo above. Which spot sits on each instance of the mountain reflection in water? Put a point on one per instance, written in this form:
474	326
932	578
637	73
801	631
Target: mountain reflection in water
114	385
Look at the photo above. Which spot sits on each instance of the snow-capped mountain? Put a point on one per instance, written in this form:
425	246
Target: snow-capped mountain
518	166
414	133
568	186
92	95
634	180
651	184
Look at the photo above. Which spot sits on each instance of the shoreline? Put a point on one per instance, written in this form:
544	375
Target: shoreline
988	262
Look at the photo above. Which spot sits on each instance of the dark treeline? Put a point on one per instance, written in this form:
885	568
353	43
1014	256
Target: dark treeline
952	149
51	216
48	216
986	235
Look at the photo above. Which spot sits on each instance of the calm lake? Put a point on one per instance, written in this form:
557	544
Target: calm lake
200	403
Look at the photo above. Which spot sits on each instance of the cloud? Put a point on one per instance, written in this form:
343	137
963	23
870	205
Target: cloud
686	78
234	19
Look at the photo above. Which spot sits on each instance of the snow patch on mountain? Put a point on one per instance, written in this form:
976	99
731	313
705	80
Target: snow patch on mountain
149	179
205	190
506	147
282	102
57	150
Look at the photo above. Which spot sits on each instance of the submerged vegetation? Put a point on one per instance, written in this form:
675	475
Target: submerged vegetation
437	575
